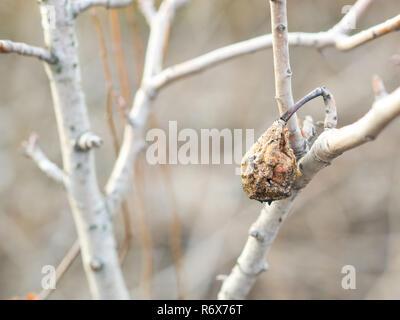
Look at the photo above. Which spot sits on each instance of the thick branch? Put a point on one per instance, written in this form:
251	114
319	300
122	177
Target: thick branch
82	5
7	46
33	151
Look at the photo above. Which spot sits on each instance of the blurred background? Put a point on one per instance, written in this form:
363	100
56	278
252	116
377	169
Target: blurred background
348	215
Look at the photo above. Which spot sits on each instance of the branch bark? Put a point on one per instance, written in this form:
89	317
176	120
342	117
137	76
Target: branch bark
91	215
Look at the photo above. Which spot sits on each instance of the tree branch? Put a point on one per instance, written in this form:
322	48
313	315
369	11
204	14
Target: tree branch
7	46
82	5
33	151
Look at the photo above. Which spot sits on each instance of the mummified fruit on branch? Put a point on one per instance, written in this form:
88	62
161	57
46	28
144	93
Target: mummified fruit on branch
269	168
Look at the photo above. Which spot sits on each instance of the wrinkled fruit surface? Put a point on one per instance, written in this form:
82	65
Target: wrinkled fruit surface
269	168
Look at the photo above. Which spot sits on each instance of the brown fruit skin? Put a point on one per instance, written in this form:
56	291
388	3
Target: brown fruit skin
269	168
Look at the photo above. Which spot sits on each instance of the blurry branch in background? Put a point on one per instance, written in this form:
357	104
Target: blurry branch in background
122	71
33	151
7	46
111	96
64	265
82	5
175	221
378	87
119	57
146	241
329	145
134	135
335	37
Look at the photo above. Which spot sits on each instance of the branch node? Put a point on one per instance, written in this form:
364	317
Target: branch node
257	235
96	264
87	141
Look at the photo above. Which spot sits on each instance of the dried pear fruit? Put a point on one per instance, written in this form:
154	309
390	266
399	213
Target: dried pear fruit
269	168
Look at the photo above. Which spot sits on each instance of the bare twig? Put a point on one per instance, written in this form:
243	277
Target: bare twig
7	46
124	247
82	5
64	265
33	151
119	55
146	241
350	42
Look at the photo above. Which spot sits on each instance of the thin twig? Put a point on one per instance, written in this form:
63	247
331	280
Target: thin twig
124	247
62	268
7	46
144	231
133	140
33	151
119	54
